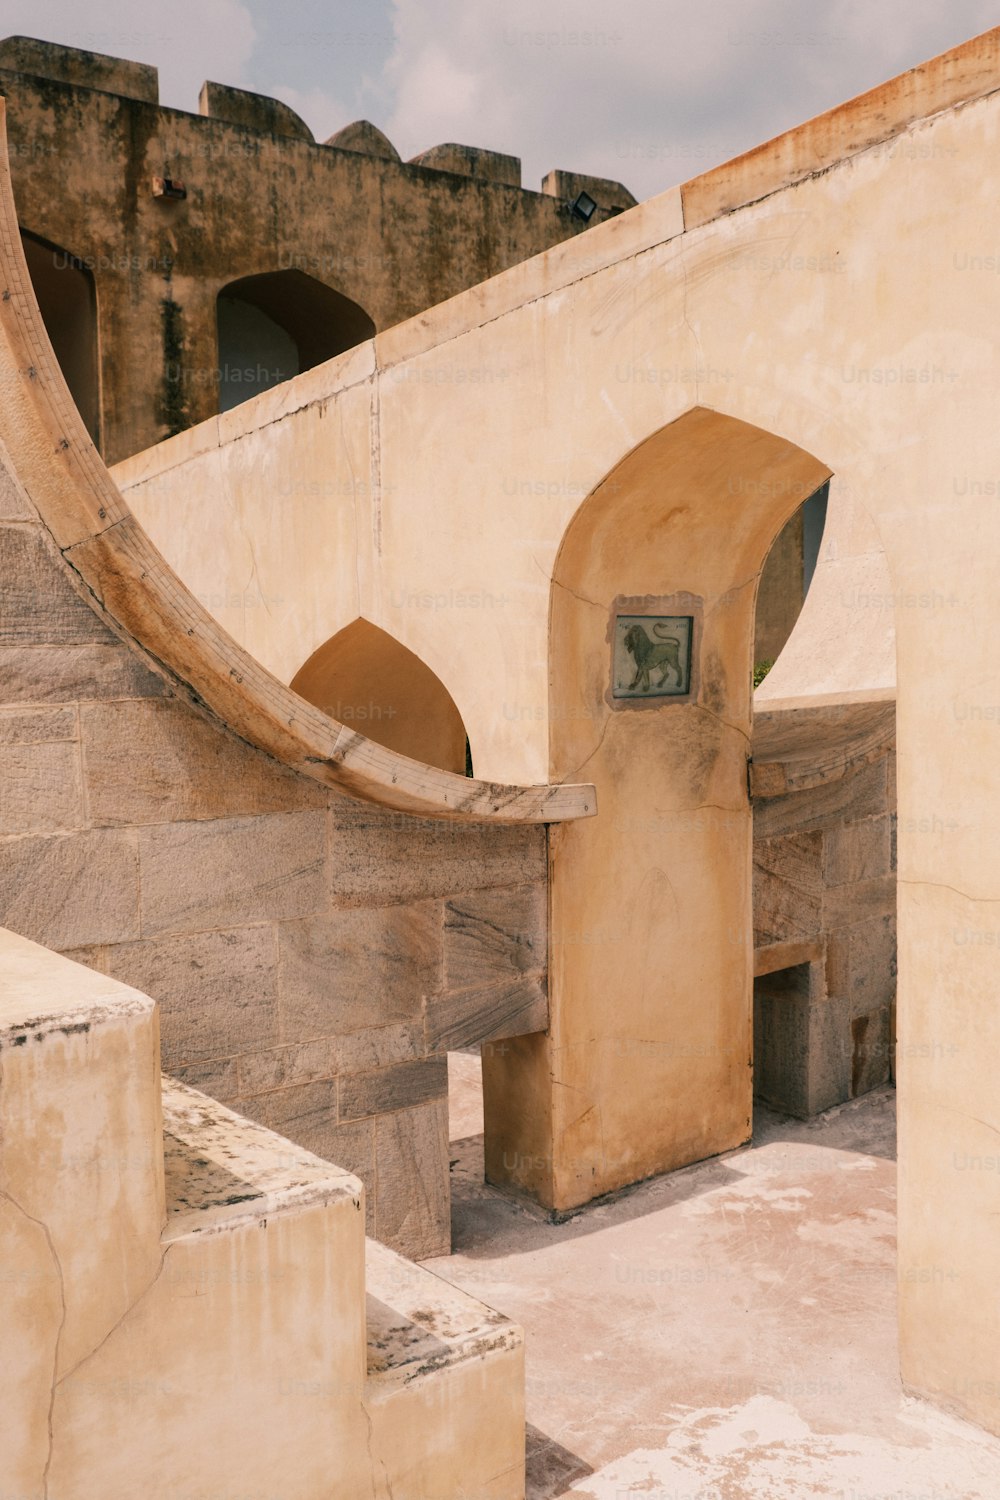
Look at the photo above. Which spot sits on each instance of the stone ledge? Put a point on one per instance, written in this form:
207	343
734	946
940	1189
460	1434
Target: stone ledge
967	72
221	1168
74	65
44	992
418	1323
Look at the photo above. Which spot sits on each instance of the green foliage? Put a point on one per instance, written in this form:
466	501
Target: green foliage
760	671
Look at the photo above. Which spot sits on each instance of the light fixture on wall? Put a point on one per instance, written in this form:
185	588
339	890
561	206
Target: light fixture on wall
583	207
168	187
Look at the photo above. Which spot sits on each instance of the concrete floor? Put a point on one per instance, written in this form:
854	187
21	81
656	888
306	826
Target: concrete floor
727	1332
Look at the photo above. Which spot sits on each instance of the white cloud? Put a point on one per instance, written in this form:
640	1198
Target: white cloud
650	91
317	107
647	91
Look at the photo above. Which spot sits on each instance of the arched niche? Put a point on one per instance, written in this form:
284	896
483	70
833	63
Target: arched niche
647	1062
368	681
277	324
67	299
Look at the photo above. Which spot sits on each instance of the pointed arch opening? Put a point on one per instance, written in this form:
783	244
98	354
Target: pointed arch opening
67	299
647	1064
275	325
366	679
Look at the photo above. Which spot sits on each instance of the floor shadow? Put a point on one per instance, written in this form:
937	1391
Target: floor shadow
487	1222
549	1468
866	1124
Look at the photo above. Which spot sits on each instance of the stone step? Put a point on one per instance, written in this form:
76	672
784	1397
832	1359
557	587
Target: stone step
445	1392
419	1323
220	1168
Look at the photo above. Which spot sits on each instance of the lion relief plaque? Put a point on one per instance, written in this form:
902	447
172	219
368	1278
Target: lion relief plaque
651	656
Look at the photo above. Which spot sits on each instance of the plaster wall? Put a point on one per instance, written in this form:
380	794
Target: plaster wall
843	304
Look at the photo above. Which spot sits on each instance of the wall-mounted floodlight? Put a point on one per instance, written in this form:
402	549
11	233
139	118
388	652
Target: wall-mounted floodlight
168	187
583	207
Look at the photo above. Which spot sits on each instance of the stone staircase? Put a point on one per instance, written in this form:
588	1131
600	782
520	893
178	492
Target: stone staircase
188	1301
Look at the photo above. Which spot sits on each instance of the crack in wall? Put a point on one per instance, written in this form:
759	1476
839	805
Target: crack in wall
86	1358
375	448
942	885
40	1224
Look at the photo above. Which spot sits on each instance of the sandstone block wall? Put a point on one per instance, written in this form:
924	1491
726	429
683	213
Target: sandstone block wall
824	904
314	957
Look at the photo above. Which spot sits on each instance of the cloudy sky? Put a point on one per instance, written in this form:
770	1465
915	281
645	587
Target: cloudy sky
645	91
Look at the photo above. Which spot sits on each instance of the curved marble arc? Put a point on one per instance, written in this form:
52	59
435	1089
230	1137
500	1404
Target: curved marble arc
132	588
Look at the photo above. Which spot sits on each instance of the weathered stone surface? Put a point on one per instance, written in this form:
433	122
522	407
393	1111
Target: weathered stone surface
492	936
802	1054
857	851
829	1059
461	1019
71	890
788	884
379	1047
38	604
215	1076
216	874
773	956
36	726
217	990
859	796
256	112
91	958
306	1112
414	1197
869	980
813	745
381	856
363	136
343	971
844	905
280	1067
398	1087
40	788
157	761
870	1051
91	70
14	503
352	1146
63	674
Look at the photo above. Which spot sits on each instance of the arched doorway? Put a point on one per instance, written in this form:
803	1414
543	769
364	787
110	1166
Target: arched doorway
367	680
824	824
277	324
647	1063
68	304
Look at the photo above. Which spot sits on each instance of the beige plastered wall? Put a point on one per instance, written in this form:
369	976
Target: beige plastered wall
850	314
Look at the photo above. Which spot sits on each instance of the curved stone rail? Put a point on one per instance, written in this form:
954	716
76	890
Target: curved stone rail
796	749
132	588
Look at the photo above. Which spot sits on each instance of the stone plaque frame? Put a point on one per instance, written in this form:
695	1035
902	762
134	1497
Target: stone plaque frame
654	648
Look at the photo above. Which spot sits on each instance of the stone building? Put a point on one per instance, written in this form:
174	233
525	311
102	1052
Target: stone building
321	916
187	261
